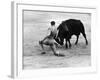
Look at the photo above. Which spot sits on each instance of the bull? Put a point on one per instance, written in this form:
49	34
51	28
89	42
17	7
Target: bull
67	29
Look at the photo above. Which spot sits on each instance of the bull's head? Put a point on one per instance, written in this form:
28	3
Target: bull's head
59	39
62	33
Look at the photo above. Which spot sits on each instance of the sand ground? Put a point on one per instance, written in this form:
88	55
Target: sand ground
78	56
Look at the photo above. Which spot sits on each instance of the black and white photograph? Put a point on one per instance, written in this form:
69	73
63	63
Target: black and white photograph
50	39
56	39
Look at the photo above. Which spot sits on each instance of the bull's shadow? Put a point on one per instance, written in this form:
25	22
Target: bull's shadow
79	45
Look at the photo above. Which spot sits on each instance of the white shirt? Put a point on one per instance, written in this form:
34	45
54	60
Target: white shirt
52	29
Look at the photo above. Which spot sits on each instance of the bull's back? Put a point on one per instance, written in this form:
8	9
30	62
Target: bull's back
74	26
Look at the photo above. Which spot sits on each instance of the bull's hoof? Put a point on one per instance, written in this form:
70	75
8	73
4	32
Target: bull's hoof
67	47
59	55
43	53
40	42
75	43
86	42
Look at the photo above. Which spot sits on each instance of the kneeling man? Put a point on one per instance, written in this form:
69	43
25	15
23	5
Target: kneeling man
50	41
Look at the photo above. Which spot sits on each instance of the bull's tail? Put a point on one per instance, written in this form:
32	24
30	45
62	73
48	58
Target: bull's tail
83	32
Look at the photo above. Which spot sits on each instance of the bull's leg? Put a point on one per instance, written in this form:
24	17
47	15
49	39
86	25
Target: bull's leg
66	44
69	43
62	40
85	38
77	40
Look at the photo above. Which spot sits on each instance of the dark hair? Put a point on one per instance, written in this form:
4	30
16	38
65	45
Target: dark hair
52	22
